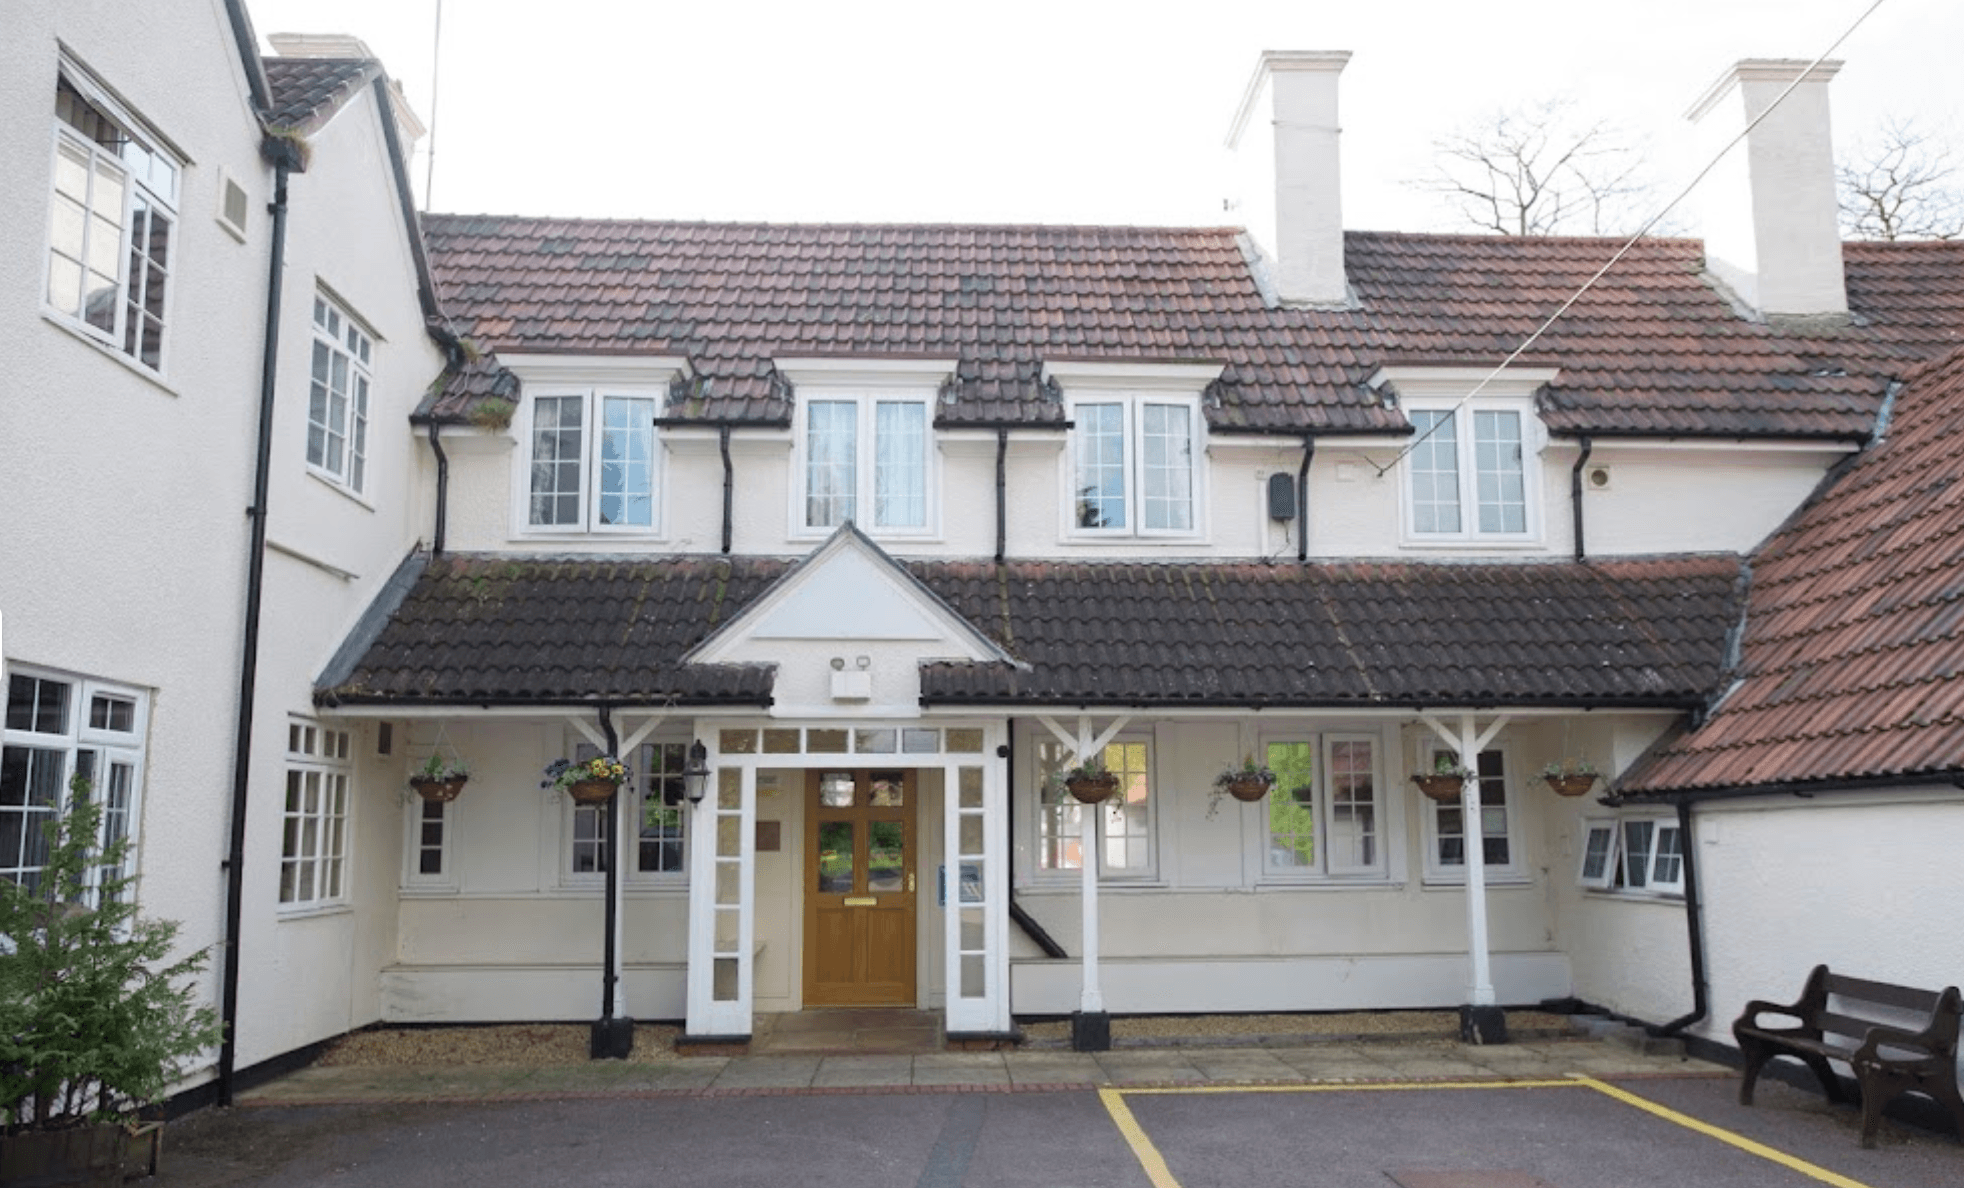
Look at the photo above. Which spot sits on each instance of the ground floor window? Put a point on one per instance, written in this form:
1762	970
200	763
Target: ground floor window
1446	825
654	797
1640	855
1324	814
314	820
1125	822
58	728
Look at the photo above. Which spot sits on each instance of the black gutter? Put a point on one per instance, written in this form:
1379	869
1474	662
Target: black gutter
248	45
652	701
1295	432
442	490
1002	492
1804	789
1080	705
717	423
234	865
729	485
1575	490
1034	426
1302	500
1733	435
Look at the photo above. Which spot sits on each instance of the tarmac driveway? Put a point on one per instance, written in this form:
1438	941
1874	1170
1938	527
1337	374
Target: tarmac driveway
1494	1135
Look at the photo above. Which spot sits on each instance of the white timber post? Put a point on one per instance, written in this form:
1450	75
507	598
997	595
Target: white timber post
1091	1000
1467	742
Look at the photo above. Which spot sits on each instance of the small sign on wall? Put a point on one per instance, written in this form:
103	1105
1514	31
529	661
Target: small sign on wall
769	836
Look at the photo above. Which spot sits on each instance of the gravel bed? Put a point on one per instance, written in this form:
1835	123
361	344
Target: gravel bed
525	1044
1147	1030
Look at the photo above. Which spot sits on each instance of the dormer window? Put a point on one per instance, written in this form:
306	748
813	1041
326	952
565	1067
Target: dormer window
863	445
1469	471
588	459
1135	450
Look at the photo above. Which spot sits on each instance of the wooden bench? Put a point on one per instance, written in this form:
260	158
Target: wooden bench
1866	1028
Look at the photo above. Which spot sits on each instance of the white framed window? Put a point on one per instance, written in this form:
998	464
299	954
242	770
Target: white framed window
1467	473
590	461
58	727
430	828
112	223
1325	817
1499	831
337	396
1135	465
1641	855
314	817
1124	835
656	845
865	457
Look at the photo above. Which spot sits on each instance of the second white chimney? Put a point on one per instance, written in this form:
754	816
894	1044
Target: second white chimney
1291	196
1768	211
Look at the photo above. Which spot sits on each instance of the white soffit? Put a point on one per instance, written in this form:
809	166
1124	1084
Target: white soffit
848	590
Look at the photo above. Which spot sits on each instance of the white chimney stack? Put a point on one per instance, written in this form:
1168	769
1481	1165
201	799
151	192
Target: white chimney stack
1768	211
1291	197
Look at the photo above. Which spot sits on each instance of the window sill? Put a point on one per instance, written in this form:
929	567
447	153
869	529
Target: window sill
1434	879
1105	883
67	326
584	535
427	890
326	479
1328	883
313	911
907	536
1668	898
1463	543
1138	542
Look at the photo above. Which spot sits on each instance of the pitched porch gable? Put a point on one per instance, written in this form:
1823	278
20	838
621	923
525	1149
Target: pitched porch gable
848	626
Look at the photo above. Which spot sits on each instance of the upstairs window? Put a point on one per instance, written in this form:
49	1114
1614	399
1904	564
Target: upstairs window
1467	475
1133	467
337	397
111	225
592	461
866	460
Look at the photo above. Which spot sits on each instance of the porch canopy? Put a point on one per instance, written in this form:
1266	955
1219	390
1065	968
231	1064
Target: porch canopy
739	641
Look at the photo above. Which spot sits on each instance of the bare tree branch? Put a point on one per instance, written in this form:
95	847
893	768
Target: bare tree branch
1903	184
1538	170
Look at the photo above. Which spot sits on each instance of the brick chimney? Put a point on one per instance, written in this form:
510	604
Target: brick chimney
1284	140
1768	212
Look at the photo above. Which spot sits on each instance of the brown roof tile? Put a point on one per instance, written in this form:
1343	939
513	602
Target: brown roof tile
1852	666
488	629
1653	350
306	91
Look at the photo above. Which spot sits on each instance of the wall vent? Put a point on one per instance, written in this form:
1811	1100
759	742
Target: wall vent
233	205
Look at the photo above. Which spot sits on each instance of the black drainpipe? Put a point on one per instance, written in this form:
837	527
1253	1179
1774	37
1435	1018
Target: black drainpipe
1696	931
1017	915
1302	500
442	490
234	865
1575	493
1002	503
609	1042
729	484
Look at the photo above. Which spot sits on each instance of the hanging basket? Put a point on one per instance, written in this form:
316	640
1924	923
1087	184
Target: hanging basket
1248	789
1442	788
591	791
1092	789
444	791
1571	785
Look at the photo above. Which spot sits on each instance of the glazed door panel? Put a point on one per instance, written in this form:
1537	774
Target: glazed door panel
860	865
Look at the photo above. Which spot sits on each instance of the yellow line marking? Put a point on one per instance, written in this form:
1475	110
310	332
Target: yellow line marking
1725	1136
1135	1137
1341	1087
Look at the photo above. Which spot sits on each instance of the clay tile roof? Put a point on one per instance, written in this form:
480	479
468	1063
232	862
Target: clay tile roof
479	629
1655	349
306	92
1852	664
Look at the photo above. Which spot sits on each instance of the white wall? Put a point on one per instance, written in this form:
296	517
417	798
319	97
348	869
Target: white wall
1662	497
122	540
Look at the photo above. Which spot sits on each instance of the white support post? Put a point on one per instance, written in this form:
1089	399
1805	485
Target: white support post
1468	742
1091	1000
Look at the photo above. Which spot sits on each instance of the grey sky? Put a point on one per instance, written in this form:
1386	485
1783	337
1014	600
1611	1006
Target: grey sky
1053	110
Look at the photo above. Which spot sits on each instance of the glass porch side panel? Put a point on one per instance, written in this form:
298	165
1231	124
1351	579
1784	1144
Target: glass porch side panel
722	903
976	912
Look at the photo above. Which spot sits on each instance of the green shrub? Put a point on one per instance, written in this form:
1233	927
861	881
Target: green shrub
95	1020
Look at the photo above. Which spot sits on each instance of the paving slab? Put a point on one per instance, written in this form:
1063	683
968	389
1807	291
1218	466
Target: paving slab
1148	1068
1241	1066
1053	1068
768	1072
961	1068
841	1072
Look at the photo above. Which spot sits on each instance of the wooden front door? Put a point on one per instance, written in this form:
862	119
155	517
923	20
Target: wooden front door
859	888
